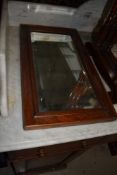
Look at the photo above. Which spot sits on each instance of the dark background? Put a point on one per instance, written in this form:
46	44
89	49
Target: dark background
68	3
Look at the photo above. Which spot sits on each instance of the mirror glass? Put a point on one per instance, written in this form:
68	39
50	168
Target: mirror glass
61	80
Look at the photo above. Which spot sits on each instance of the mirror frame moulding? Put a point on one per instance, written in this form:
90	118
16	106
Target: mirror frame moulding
32	118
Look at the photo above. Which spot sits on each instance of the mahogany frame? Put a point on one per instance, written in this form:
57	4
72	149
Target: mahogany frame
34	119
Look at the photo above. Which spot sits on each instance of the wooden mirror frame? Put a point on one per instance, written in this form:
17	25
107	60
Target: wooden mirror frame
34	119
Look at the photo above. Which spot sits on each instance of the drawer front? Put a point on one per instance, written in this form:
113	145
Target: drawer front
45	151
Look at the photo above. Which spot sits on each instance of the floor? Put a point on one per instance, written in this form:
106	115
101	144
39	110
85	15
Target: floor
96	161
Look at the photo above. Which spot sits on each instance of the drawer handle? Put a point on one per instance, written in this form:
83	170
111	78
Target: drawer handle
41	153
84	143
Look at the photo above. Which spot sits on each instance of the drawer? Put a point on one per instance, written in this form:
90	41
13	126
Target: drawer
45	151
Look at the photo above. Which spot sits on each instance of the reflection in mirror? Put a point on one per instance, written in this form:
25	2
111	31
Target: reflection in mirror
62	83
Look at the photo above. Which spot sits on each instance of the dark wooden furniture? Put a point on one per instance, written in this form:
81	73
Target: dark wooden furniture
104	34
62	153
1	5
104	37
52	95
49	158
